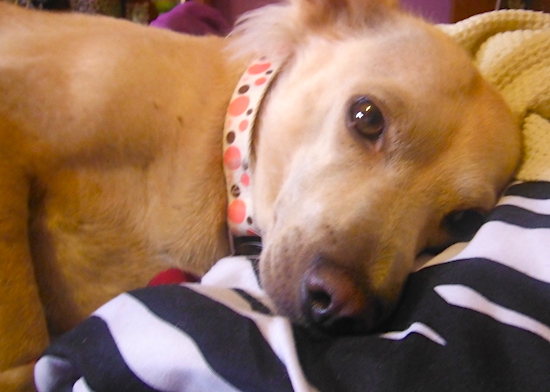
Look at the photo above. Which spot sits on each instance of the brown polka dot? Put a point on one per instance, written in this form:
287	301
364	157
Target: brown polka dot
235	191
230	137
249	220
245	165
249	112
244	89
269	72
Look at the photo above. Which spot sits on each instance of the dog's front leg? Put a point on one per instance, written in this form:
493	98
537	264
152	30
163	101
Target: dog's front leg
23	329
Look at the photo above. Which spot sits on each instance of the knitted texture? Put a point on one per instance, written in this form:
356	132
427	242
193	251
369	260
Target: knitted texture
512	51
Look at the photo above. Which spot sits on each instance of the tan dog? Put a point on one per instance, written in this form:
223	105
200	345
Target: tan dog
378	140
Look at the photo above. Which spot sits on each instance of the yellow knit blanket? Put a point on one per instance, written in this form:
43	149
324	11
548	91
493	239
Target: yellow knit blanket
512	50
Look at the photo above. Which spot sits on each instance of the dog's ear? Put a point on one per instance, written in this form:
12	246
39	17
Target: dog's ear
281	26
353	13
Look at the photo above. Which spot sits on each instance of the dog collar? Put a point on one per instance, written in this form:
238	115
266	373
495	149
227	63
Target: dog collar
239	124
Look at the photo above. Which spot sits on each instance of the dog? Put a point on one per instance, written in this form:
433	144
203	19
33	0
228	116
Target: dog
376	140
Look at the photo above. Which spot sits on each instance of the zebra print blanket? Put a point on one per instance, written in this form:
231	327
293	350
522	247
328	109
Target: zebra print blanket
475	318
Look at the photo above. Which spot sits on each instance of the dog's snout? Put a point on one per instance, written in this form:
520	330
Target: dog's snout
334	301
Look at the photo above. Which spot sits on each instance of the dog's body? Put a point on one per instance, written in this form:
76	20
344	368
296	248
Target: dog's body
113	139
111	163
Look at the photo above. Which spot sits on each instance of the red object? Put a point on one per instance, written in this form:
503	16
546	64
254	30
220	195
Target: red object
174	276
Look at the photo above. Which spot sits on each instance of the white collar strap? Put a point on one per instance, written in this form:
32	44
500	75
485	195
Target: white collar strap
239	124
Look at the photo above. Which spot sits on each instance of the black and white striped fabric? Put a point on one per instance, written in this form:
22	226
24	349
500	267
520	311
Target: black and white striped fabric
476	318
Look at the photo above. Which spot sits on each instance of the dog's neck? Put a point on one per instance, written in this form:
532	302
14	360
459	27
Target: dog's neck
237	143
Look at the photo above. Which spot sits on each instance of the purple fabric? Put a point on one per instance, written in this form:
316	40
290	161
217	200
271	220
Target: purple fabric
193	18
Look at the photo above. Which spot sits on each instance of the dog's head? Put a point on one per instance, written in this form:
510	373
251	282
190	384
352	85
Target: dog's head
378	140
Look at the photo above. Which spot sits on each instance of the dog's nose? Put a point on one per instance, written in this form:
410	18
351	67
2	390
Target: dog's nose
334	301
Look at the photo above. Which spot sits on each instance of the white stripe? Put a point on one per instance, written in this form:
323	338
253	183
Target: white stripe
276	330
234	272
443	257
160	355
278	333
466	297
419	328
49	370
535	205
81	386
525	250
498	247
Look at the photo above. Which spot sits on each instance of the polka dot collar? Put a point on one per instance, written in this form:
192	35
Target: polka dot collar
239	123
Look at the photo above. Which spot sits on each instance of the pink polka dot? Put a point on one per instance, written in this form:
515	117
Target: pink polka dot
243	125
232	157
245	179
258	68
260	81
238	105
229	178
251	232
236	211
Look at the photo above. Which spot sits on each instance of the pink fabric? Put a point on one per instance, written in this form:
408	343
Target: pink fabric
193	18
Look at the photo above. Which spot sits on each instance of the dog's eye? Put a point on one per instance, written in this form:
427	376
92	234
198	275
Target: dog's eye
366	119
464	224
